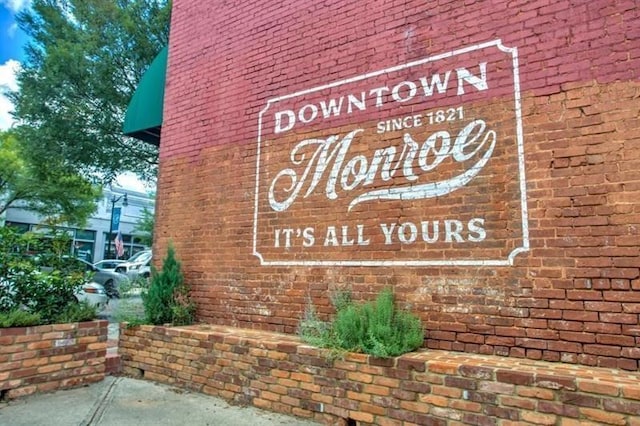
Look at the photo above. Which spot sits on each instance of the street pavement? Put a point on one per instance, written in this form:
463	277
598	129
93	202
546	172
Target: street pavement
123	401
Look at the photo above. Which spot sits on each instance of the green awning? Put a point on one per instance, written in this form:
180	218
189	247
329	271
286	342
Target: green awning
143	119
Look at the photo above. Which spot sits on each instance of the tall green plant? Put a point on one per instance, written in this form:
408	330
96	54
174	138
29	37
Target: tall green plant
167	300
376	328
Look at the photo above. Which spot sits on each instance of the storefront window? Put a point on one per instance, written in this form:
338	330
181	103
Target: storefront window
85	235
84	250
20	227
84	244
82	240
130	248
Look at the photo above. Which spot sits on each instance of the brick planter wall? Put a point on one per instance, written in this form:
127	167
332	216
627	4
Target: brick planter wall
278	373
49	357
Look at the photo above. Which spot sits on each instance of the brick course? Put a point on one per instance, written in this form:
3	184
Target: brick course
276	372
573	297
49	357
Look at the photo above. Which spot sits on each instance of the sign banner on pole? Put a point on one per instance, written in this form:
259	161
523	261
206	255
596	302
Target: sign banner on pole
115	219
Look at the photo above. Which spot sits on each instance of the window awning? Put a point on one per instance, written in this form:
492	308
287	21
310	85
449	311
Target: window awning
143	119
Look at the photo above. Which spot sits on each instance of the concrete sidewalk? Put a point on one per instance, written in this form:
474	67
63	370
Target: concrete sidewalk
122	401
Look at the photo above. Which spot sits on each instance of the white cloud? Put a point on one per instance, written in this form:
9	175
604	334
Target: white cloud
8	82
13	28
15	5
130	181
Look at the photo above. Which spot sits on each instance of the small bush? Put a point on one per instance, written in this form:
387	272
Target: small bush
313	330
42	284
18	318
77	312
183	311
167	300
374	328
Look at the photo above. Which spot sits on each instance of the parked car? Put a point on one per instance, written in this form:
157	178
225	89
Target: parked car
90	292
110	280
145	270
139	265
94	294
109	264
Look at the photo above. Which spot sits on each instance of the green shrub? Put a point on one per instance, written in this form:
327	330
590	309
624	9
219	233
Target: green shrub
47	294
77	312
18	318
167	299
374	328
313	330
44	284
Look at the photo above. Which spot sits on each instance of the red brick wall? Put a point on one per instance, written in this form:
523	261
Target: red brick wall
275	372
573	296
49	357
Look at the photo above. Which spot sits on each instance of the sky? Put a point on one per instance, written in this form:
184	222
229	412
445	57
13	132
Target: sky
12	42
13	38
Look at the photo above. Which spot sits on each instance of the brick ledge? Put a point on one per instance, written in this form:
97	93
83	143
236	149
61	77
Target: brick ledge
434	360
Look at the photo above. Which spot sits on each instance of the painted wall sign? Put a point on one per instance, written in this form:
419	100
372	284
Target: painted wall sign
418	164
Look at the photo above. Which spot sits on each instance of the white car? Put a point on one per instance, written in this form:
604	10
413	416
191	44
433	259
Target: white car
94	294
109	264
138	265
109	280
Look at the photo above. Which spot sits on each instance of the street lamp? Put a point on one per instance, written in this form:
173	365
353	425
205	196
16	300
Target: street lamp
114	200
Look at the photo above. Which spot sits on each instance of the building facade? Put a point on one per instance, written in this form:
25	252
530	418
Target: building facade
481	158
93	242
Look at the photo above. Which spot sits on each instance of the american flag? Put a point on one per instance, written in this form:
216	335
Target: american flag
119	244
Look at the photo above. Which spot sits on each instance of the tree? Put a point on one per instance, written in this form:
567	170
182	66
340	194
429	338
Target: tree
167	300
84	61
144	227
48	188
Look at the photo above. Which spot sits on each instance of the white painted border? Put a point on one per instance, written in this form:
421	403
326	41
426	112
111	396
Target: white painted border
521	170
